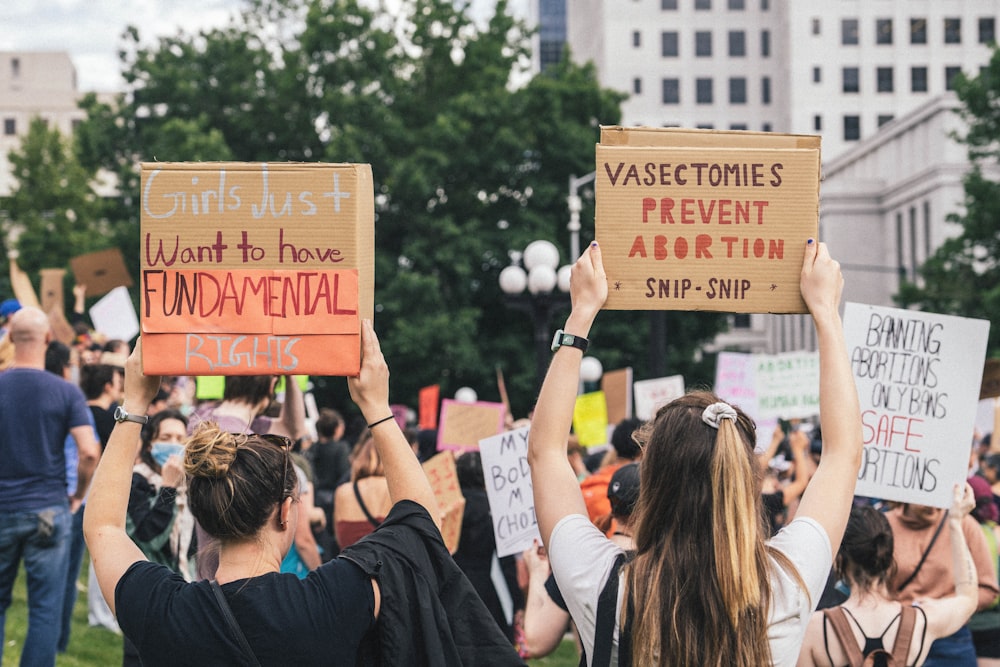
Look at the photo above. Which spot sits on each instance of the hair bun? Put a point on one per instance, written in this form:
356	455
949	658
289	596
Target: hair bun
210	451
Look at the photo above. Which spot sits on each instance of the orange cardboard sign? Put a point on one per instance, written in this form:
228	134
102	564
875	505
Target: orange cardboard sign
252	268
617	388
443	477
428	406
101	271
705	221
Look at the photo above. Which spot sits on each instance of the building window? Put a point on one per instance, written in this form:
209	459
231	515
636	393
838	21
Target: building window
738	126
852	80
816	26
703	4
950	74
765	43
883	31
918	31
636	38
671	91
670	44
817	123
15	68
637	86
705	126
741	321
884	77
884	118
737	90
703	43
766	127
849	31
9	127
737	5
852	128
953	31
817	74
987	30
670	5
737	43
765	90
765	5
703	91
918	79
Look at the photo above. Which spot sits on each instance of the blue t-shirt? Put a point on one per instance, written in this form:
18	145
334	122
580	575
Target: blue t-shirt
37	411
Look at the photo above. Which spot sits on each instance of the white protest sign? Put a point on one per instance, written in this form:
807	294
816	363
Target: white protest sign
650	395
918	377
114	315
787	385
736	383
508	488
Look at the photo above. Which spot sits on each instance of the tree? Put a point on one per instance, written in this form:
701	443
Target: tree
962	277
466	165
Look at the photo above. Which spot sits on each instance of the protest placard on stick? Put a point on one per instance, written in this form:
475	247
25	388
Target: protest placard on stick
508	489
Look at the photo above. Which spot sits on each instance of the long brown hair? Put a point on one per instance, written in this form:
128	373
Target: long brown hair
700	573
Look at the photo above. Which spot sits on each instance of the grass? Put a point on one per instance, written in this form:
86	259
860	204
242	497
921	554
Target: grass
97	647
88	647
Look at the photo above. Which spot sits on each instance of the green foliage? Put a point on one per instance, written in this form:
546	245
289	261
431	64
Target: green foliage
963	276
467	165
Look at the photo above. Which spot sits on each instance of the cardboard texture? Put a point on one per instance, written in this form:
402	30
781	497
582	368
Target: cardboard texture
255	268
101	271
443	477
617	388
990	387
463	425
705	220
52	289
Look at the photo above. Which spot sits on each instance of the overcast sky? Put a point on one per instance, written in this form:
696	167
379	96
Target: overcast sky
90	29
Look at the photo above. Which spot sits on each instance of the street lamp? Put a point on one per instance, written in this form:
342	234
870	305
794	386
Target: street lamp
575	206
538	289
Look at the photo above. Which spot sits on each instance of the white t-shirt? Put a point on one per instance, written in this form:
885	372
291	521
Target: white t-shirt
581	558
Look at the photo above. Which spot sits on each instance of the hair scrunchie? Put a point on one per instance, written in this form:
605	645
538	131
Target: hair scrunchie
716	412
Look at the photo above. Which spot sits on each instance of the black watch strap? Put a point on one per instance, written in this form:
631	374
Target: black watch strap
569	340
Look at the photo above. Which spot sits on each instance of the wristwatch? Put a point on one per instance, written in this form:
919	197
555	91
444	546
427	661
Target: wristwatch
122	416
562	338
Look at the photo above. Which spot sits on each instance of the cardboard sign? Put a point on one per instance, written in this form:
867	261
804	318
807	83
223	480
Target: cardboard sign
252	269
441	473
52	289
651	395
918	378
101	271
114	316
590	419
463	425
990	387
787	385
427	409
617	388
508	489
706	220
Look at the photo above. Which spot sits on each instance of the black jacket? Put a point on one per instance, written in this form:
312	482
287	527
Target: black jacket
430	614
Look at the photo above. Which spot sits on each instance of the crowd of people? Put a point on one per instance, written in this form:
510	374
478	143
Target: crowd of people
235	531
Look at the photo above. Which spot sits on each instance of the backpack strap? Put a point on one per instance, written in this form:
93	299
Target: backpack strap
238	635
923	557
364	508
845	636
604	624
901	647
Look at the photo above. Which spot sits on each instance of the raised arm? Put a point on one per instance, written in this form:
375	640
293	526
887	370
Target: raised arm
556	490
828	497
104	521
370	391
948	614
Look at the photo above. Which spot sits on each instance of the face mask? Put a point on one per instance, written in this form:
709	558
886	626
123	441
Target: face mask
162	451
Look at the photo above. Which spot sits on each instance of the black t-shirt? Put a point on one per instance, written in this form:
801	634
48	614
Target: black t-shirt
324	619
104	422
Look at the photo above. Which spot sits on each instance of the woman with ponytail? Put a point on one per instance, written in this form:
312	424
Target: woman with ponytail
706	586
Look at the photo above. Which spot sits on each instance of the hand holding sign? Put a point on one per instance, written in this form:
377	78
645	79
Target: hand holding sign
822	282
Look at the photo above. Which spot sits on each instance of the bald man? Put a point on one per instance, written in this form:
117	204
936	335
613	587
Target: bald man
37	411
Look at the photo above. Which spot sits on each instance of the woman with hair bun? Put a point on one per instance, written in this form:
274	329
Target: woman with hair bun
872	621
706	587
242	489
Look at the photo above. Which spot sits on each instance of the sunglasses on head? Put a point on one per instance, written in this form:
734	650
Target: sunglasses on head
284	443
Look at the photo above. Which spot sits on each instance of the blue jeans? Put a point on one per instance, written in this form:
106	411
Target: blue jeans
954	650
74	560
41	539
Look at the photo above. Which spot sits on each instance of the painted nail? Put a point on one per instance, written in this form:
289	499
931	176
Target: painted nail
810	241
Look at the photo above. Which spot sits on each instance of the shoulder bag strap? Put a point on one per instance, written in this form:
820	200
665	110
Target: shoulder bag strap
901	647
923	557
845	635
364	508
607	609
227	613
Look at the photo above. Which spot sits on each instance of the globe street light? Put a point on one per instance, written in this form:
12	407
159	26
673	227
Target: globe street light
540	290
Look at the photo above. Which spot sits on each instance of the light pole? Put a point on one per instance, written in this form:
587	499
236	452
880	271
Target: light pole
575	206
540	290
